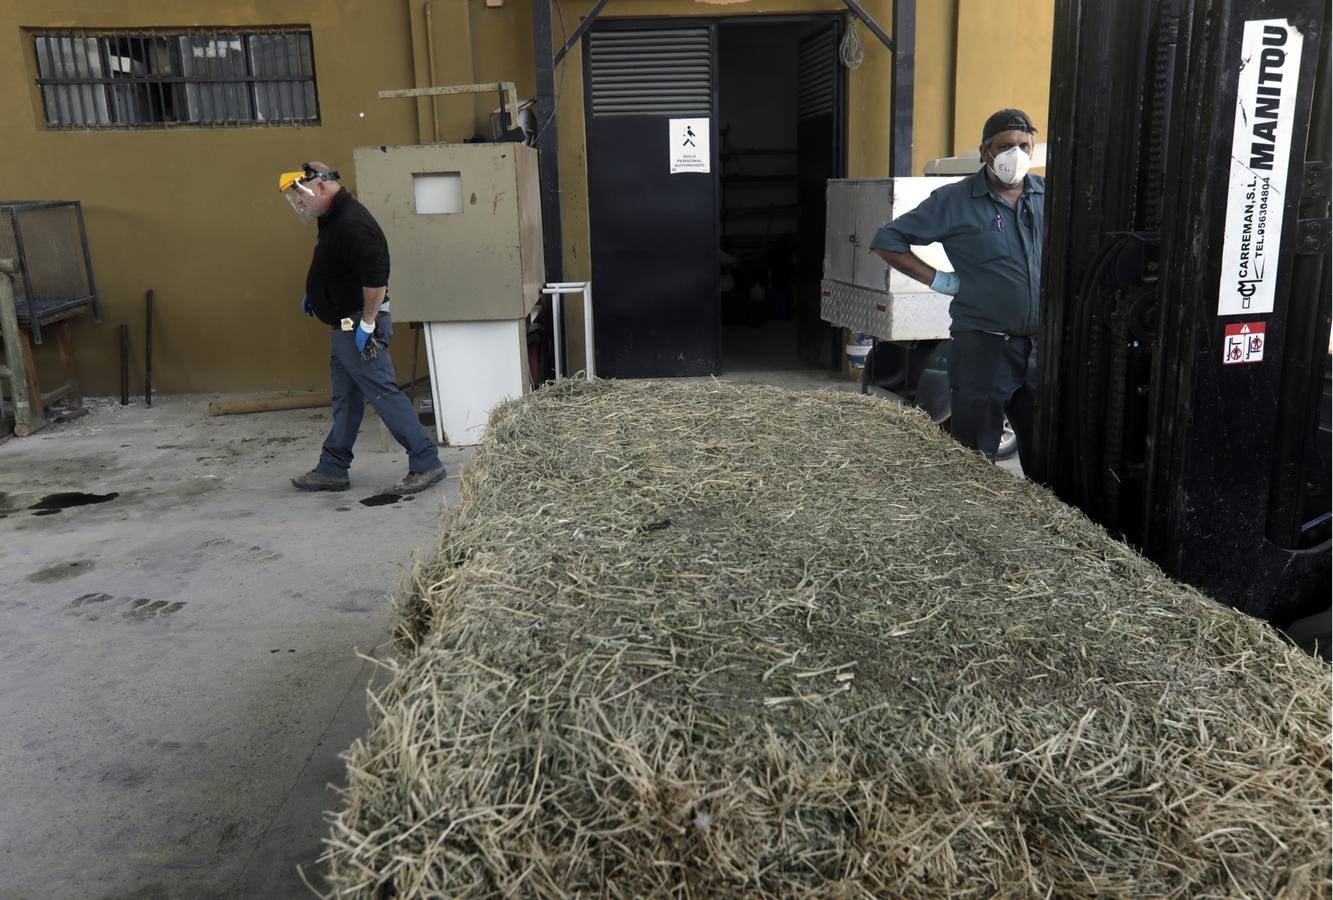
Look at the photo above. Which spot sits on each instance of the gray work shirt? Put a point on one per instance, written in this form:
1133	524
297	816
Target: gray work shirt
994	248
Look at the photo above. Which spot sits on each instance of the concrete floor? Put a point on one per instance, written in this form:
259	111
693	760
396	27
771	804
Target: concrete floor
178	668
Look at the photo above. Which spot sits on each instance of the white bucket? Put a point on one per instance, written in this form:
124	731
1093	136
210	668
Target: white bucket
857	352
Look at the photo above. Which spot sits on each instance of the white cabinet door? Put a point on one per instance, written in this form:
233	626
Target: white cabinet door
873	206
837	231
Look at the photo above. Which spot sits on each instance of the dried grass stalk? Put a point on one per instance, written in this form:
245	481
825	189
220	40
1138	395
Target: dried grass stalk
700	640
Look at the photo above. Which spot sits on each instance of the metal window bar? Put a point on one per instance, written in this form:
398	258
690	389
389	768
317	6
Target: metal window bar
287	65
195	77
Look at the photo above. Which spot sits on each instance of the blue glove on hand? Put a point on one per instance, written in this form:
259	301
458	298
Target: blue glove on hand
946	283
306	307
366	344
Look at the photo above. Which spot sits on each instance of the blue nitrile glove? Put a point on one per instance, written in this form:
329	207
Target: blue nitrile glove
305	305
366	344
946	283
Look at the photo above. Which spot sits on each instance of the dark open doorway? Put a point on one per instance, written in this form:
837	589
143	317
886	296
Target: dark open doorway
780	115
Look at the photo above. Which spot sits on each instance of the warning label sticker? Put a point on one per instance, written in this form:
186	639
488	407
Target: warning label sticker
689	150
1244	343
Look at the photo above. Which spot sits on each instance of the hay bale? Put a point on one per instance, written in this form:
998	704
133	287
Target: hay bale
702	640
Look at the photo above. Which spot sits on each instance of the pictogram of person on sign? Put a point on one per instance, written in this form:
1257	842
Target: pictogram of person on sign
689	136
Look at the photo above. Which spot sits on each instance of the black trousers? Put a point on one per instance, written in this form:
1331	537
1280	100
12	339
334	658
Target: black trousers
991	375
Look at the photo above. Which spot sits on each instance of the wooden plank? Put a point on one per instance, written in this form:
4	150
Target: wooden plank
65	391
30	368
448	90
238	407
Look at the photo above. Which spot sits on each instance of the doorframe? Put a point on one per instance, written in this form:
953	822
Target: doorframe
662	23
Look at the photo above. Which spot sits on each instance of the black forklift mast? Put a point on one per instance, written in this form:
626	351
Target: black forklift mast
1183	394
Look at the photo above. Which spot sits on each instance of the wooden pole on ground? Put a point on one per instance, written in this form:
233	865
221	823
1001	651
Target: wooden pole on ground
273	403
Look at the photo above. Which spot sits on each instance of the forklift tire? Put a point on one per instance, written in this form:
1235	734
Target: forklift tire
1313	634
1008	440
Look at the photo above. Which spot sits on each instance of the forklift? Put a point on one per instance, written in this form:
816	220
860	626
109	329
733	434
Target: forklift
1184	389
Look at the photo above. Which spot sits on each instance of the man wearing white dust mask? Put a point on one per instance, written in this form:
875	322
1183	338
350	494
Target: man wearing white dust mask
991	225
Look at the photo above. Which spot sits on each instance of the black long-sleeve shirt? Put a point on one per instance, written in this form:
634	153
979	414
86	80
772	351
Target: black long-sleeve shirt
350	254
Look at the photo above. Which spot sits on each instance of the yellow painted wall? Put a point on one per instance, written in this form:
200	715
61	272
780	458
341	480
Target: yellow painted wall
1003	59
194	213
453	64
502	50
933	92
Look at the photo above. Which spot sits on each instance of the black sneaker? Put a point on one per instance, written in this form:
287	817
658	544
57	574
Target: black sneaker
419	481
318	481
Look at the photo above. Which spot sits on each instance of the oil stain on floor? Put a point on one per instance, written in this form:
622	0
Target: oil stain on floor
385	499
54	503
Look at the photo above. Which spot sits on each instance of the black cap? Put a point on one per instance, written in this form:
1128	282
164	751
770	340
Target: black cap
1006	120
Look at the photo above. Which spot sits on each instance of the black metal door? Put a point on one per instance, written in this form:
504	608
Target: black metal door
818	158
654	234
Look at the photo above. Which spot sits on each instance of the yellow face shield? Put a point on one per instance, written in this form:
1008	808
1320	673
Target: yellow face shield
292	185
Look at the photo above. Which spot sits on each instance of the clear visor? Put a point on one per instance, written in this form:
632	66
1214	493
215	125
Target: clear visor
299	196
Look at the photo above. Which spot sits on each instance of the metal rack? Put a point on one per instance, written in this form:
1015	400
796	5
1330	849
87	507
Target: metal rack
48	240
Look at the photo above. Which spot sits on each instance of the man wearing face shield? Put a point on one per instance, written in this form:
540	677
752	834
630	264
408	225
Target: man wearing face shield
347	289
991	225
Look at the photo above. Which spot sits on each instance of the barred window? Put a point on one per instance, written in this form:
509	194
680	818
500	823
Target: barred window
155	79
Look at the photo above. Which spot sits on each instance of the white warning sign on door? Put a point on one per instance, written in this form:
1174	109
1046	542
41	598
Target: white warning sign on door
1244	343
689	150
1266	110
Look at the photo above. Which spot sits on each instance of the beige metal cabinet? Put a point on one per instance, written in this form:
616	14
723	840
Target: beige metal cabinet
464	227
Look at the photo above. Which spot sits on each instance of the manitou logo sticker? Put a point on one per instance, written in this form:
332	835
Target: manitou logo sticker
1244	343
1270	64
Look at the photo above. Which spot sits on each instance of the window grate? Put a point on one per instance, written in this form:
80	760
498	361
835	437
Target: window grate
662	72
195	77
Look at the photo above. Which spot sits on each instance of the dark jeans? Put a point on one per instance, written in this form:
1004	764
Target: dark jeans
990	375
354	382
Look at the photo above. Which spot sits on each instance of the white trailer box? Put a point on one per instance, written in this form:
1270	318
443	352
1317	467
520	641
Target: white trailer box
859	291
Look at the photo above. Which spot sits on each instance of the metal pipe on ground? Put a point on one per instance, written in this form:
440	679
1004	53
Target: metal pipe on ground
124	365
416	330
148	349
